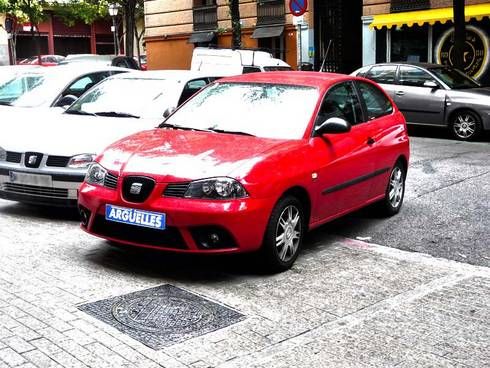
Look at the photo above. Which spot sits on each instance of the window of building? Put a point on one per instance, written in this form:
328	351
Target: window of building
409	44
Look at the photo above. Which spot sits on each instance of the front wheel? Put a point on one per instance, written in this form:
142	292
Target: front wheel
465	126
395	191
284	234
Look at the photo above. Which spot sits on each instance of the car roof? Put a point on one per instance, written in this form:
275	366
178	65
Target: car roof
312	79
419	64
75	69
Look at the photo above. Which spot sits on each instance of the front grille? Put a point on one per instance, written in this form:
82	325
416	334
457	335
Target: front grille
168	238
110	181
176	189
137	189
35	190
32	159
14	157
57	161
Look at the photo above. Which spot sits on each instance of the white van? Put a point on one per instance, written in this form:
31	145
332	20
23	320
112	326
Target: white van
235	61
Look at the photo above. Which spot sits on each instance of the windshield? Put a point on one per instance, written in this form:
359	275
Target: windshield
18	86
454	78
125	97
262	110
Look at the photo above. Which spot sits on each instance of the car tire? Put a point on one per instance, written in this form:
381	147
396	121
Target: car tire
465	125
287	220
395	191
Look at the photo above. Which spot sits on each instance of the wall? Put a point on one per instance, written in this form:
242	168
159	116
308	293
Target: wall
4	52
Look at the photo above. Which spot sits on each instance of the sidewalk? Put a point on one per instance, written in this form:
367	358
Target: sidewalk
345	303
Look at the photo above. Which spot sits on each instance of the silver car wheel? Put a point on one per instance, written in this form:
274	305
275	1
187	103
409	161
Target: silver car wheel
465	126
288	233
395	191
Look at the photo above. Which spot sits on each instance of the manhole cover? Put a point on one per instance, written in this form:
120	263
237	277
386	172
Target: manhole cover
163	315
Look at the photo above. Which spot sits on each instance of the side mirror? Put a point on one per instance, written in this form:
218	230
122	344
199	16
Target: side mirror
431	84
333	126
169	111
66	101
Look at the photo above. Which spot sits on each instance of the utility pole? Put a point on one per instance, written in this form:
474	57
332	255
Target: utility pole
235	24
459	33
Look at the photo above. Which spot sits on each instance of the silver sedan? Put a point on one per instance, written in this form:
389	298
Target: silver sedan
437	95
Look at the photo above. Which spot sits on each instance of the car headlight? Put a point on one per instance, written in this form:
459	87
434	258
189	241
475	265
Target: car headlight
95	174
216	188
81	161
3	154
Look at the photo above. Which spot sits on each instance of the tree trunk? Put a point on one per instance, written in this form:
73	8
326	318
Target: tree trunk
129	15
459	34
235	23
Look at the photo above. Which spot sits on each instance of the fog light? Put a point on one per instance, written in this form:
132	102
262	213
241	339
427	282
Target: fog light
84	216
212	237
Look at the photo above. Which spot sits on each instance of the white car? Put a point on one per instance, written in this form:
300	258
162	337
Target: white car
54	86
44	161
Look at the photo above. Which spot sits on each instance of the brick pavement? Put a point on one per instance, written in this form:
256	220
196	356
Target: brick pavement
345	304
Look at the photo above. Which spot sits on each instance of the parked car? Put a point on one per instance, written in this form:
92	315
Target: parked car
8	72
143	62
235	61
432	94
53	87
43	160
251	162
107	60
46	60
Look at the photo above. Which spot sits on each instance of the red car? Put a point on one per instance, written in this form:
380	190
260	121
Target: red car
251	163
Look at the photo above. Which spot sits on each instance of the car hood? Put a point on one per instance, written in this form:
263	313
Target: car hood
176	155
63	134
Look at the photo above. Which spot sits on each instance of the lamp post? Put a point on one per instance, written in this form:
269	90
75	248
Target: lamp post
113	9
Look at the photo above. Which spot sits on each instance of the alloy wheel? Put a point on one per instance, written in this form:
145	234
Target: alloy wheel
465	126
395	191
288	233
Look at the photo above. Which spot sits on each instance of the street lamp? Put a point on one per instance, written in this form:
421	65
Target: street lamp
113	9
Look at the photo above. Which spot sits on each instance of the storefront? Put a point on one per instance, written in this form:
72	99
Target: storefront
428	36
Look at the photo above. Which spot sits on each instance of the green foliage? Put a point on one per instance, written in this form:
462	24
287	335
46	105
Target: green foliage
86	11
24	10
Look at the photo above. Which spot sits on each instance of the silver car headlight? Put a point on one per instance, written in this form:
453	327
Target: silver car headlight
216	188
96	174
81	161
3	154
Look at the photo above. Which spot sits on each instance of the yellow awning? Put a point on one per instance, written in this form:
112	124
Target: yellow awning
430	16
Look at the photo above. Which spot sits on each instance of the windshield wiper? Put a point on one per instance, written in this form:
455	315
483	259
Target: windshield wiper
173	126
116	114
79	112
230	132
5	103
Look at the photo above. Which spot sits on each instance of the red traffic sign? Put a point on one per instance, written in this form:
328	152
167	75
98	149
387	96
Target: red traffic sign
298	7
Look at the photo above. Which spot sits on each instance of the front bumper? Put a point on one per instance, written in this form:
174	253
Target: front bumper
239	224
43	186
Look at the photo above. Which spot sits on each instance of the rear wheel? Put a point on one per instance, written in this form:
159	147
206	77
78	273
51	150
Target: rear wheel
465	125
395	191
284	234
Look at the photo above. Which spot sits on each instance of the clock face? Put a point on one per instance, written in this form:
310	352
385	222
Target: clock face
475	53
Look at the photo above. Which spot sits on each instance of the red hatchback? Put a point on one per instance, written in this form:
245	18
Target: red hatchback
251	163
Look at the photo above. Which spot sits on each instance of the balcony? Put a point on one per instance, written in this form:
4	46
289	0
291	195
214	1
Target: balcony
404	5
270	12
205	18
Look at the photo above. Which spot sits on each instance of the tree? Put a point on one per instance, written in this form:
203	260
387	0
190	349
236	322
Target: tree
459	33
236	27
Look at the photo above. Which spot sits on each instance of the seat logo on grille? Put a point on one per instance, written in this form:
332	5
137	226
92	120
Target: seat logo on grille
32	159
135	188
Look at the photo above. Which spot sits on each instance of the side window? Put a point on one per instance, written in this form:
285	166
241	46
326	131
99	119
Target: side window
342	102
84	83
190	88
250	69
410	76
377	104
382	74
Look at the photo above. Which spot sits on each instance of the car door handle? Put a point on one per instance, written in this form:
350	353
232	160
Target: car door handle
370	141
399	93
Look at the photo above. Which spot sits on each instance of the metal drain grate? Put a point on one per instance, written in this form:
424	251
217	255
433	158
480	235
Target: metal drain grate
162	316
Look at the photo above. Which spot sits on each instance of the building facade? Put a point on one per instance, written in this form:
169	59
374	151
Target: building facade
4	48
423	31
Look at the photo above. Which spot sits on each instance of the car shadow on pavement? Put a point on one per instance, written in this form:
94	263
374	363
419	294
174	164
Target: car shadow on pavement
440	133
40	212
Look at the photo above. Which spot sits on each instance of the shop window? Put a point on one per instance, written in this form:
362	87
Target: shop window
409	44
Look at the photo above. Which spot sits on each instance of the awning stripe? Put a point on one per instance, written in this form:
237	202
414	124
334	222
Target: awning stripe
430	16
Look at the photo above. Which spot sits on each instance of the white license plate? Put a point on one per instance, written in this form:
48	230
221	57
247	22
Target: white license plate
30	179
131	216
